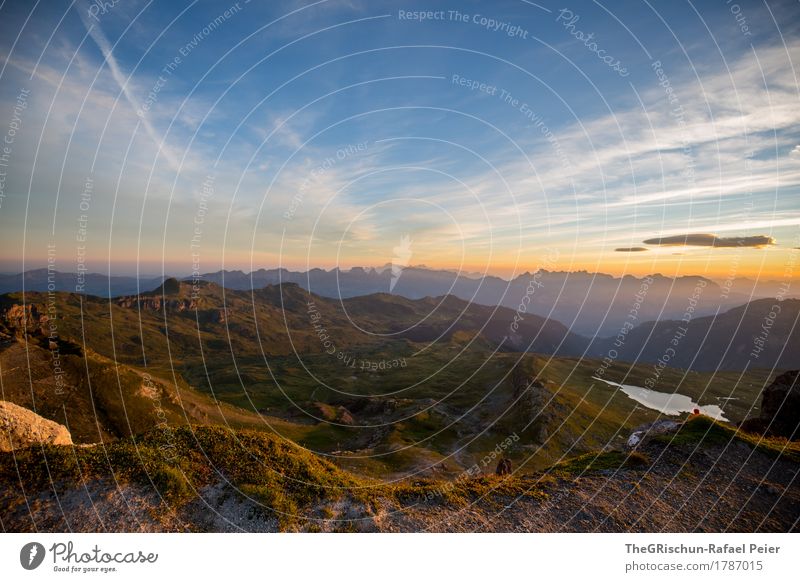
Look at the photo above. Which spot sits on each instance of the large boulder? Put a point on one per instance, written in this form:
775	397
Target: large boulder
20	427
780	408
640	433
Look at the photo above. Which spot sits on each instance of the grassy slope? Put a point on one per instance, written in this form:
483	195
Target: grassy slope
101	401
278	475
702	430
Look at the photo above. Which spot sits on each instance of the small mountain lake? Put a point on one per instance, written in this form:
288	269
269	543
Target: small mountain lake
673	404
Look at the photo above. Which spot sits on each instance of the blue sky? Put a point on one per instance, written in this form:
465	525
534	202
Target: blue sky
325	132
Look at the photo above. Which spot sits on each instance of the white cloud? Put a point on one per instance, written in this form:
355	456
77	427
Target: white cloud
125	84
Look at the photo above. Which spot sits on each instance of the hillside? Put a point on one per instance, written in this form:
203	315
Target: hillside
707	477
275	320
288	411
383	384
760	334
588	303
98	400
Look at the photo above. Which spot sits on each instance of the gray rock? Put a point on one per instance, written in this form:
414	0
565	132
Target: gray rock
640	433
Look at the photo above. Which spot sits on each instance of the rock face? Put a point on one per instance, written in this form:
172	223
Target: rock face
20	427
780	408
30	317
780	402
156	303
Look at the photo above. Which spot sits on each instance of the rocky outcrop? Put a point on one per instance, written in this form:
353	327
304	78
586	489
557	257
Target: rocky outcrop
780	408
196	307
156	303
336	414
20	427
30	317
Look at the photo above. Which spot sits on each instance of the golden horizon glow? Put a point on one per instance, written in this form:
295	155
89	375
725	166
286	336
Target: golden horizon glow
775	263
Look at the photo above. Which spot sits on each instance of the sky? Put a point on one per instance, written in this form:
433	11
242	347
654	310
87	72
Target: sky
492	137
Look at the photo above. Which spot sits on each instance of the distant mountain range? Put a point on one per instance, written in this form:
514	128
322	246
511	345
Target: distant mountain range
92	283
761	334
655	320
590	304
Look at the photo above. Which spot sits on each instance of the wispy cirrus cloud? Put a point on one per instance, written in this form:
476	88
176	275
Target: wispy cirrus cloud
124	82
